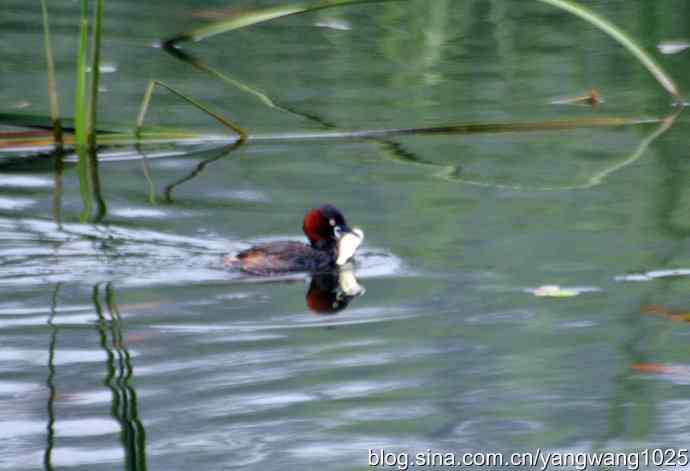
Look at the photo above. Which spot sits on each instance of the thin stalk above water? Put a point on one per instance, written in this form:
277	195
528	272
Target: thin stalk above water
80	105
95	74
142	136
52	83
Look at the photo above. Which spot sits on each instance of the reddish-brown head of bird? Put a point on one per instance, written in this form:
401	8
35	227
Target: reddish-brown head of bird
317	228
321	224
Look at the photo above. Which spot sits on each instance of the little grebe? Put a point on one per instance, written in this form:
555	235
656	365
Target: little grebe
331	244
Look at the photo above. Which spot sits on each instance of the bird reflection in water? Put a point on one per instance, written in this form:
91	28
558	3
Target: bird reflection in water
330	293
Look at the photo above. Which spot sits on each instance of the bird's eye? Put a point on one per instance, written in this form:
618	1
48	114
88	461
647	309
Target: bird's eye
337	231
331	222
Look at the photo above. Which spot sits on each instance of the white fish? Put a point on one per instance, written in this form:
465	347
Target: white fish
348	244
348	284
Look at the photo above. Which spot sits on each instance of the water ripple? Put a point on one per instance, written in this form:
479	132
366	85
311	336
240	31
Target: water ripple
40	253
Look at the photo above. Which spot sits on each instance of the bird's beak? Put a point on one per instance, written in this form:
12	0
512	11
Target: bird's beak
340	231
348	242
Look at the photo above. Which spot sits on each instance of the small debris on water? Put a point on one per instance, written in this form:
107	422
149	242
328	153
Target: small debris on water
673	47
20	105
666	312
334	23
593	98
105	68
670	369
557	291
654	274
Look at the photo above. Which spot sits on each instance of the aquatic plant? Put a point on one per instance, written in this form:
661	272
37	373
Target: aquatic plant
241	133
244	19
84	133
80	104
623	39
52	83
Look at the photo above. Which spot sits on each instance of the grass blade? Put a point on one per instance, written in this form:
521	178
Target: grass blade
95	74
80	105
249	18
81	116
52	84
101	208
623	39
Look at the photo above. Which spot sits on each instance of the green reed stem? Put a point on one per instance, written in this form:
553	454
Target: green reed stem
81	116
52	83
85	187
95	73
80	105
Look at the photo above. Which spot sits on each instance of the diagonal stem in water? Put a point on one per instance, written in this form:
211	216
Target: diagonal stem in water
451	173
242	134
197	170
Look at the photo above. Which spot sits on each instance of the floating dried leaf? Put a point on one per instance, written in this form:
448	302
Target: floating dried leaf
593	98
666	312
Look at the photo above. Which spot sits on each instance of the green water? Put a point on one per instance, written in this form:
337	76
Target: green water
125	344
